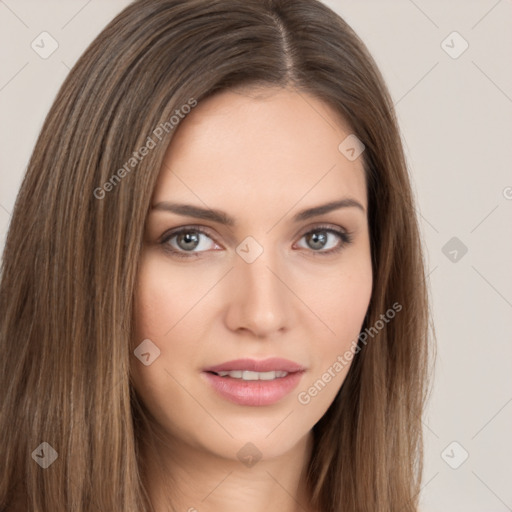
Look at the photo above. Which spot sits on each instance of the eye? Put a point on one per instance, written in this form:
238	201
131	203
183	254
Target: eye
188	241
326	240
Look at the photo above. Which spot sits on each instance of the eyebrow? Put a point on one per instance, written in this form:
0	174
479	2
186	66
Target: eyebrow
221	217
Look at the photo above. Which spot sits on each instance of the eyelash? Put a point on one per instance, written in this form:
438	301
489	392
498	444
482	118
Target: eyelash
344	236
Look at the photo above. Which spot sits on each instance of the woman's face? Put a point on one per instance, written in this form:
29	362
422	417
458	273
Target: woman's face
265	277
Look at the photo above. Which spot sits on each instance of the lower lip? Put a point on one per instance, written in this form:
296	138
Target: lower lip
254	392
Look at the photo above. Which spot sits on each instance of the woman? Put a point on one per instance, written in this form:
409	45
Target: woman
213	292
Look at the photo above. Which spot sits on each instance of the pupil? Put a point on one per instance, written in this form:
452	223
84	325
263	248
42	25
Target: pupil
188	241
318	240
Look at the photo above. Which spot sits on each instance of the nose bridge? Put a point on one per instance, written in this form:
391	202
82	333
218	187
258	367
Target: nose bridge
261	302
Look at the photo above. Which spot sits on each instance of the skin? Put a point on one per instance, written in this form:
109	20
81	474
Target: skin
261	156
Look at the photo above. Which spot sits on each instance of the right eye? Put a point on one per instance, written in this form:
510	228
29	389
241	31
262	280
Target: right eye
188	242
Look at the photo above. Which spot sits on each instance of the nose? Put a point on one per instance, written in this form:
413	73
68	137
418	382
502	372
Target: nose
259	300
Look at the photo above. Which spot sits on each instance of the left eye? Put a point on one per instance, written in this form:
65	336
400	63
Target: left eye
324	240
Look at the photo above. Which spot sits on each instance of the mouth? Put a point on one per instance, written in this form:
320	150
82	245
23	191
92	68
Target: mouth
248	375
254	383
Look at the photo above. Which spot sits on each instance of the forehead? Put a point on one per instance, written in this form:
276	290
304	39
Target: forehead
253	147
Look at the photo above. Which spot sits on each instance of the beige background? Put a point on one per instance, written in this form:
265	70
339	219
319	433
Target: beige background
456	118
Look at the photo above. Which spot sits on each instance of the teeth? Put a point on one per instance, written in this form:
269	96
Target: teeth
248	375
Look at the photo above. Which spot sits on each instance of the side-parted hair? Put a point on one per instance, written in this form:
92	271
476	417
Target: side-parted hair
74	243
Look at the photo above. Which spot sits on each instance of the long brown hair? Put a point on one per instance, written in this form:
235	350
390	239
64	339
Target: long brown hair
73	246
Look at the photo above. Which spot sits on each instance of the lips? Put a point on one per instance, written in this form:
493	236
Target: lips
254	392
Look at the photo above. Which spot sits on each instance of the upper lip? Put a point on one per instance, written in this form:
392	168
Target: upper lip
265	365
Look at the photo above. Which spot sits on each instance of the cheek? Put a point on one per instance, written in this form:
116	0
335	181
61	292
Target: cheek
161	301
164	296
164	300
341	302
345	302
342	297
154	302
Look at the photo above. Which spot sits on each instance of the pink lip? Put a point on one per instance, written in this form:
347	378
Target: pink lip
256	392
267	365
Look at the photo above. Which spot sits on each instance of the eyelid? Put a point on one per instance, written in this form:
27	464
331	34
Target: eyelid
318	226
189	227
